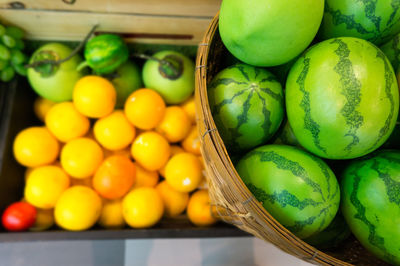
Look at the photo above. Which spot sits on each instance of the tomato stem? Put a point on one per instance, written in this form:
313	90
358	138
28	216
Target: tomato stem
73	53
161	61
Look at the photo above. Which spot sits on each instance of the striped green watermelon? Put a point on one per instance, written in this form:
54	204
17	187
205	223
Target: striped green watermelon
105	53
295	187
336	232
392	51
247	105
371	203
372	20
342	98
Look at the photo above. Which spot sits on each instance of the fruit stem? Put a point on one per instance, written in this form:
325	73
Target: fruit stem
73	53
161	61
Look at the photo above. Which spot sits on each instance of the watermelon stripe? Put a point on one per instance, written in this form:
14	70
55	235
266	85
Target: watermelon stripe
225	81
325	170
309	123
392	187
243	72
369	9
337	190
217	108
396	50
267	114
286	164
276	96
395	6
388	84
348	20
351	89
269	79
299	225
373	238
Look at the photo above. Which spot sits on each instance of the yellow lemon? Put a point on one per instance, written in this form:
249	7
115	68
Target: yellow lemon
81	157
65	122
190	108
45	185
184	172
35	146
94	96
111	214
175	202
142	207
199	209
114	132
151	150
78	208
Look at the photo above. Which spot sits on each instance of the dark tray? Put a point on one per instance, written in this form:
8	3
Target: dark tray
16	113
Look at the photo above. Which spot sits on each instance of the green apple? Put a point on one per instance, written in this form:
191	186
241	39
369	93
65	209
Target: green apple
171	74
127	80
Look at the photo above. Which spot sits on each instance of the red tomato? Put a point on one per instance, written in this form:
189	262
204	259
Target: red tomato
19	216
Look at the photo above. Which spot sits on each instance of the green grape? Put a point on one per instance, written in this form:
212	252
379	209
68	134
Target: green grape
21	69
3	64
7	74
4	52
15	32
20	45
2	30
8	40
17	57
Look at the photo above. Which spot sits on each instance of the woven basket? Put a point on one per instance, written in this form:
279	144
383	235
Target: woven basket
232	200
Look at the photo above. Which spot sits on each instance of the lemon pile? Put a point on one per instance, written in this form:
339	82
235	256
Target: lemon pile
91	163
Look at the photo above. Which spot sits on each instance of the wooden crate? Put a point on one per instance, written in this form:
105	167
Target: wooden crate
180	22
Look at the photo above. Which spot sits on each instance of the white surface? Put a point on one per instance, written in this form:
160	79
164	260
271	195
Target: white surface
243	251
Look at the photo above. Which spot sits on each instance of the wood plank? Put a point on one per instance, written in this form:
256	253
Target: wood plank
206	8
73	26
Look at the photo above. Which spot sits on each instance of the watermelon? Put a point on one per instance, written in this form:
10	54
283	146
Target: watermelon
285	136
371	203
247	106
105	53
392	51
336	232
372	20
296	188
342	98
269	33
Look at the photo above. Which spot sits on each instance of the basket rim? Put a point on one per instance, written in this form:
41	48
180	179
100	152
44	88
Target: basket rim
311	254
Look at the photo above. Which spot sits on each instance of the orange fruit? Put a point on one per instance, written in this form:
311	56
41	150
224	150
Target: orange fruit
65	122
199	209
145	178
114	132
144	108
189	107
115	177
183	172
78	208
45	185
35	146
175	125
151	150
41	106
175	149
111	214
175	202
94	96
142	207
192	141
81	157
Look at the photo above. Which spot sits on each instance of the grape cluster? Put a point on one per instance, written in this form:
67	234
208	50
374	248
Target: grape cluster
12	59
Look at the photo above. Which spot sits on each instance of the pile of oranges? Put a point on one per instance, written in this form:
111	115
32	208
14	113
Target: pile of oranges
91	163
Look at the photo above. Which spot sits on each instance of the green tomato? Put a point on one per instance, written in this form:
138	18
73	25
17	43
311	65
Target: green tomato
175	84
7	74
54	83
127	80
8	41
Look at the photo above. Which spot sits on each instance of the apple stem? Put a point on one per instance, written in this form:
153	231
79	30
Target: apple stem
161	61
73	53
